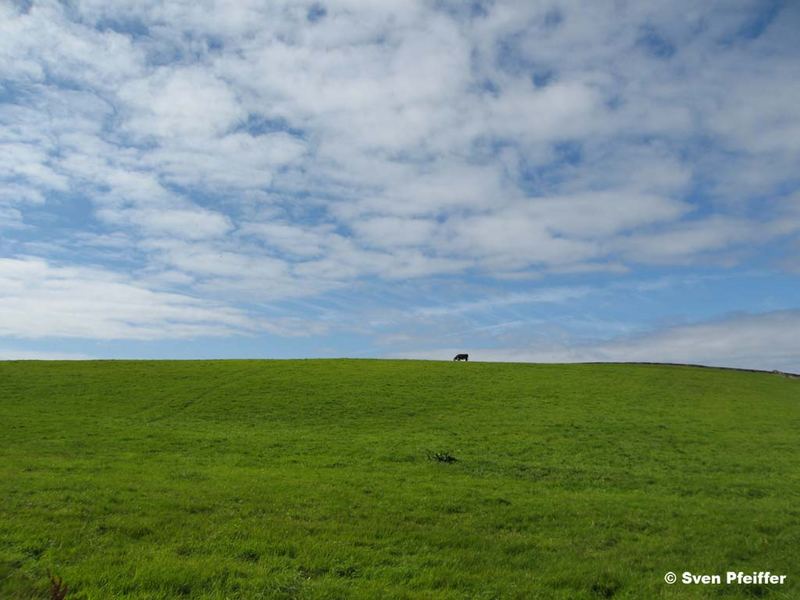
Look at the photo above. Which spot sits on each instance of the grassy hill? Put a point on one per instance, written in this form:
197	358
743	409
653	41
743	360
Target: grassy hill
316	479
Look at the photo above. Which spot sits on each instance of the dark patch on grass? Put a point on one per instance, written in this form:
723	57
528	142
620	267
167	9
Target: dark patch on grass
441	456
184	589
58	589
756	591
286	550
348	571
34	552
452	509
137	533
250	556
608	542
606	586
312	572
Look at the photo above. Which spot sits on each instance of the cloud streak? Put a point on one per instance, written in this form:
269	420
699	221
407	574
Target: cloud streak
42	300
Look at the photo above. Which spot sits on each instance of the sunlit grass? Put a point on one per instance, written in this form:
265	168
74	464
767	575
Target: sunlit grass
314	479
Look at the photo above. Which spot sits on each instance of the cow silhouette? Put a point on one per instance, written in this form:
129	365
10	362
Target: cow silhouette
461	357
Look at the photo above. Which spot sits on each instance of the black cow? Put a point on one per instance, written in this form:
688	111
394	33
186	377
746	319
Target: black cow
461	357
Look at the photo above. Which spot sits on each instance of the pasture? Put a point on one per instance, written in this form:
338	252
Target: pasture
330	479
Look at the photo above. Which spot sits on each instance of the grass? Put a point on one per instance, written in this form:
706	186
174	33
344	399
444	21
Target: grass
315	479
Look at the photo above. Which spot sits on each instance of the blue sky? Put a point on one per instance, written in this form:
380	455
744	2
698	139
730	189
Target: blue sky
533	181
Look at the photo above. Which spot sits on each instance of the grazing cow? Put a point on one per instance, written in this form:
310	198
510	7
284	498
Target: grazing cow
461	357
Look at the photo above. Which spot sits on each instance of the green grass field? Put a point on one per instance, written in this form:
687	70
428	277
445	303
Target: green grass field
311	479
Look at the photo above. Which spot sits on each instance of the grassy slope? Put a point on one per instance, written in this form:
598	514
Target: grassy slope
308	479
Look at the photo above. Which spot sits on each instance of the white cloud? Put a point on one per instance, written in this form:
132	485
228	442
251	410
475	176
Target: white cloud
39	300
304	242
203	258
689	241
43	42
391	232
10	217
546	295
189	223
18	194
179	102
235	161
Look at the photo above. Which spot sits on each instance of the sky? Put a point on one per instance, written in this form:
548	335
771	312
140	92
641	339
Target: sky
548	181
